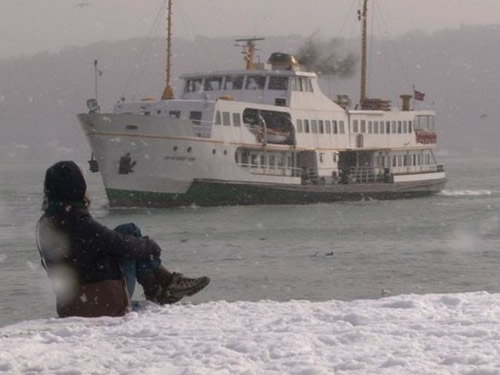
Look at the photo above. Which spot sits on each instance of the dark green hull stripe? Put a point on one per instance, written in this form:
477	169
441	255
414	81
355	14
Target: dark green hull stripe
203	193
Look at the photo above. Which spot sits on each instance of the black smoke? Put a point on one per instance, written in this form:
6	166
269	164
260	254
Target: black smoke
323	58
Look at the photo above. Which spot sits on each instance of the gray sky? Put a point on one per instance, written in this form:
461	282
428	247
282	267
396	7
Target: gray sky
30	26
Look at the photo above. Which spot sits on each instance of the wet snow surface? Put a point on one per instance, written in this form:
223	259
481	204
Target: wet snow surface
429	334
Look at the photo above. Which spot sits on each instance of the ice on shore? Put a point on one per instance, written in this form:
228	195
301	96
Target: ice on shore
407	334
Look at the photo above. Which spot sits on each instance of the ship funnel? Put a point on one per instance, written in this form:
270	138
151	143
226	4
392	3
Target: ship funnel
405	102
283	61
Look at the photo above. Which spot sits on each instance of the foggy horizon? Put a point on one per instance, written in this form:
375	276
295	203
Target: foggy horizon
62	23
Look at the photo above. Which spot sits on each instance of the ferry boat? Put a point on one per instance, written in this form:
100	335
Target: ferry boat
265	134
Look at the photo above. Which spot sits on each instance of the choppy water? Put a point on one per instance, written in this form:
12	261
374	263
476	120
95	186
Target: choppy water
445	243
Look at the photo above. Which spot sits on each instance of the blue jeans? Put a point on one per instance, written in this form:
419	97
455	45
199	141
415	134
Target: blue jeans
135	269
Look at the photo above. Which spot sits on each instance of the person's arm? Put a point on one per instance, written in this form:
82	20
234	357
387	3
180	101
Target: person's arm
109	241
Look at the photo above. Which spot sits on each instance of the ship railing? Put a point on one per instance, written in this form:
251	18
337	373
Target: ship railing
272	170
366	175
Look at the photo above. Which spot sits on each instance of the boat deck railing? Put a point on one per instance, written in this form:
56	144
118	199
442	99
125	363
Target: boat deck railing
272	170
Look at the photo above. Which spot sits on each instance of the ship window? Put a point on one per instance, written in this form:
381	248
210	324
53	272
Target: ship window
262	161
375	127
328	127
226	118
255	82
393	131
213	151
272	161
195	117
278	83
355	126
189	149
233	82
193	85
394	164
314	126
400	127
342	128
388	127
175	114
363	126
410	129
299	126
236	119
370	127
321	157
251	117
253	160
382	127
405	126
308	85
217	118
321	127
335	127
414	159
306	126
213	83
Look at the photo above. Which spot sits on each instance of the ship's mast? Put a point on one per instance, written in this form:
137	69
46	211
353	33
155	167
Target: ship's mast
363	16
168	93
249	51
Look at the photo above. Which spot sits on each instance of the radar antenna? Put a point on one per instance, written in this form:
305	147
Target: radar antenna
249	49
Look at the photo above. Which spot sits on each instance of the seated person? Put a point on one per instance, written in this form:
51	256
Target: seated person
93	269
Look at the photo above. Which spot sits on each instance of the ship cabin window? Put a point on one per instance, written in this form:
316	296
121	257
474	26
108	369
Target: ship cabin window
375	127
255	83
226	118
400	127
175	114
236	119
299	126
393	130
213	83
262	161
335	127
363	126
388	127
314	126
321	157
405	126
321	127
195	117
424	122
355	126
394	162
278	83
410	128
342	127
218	120
328	127
302	84
382	127
193	85
233	82
253	160
306	126
251	117
272	161
370	127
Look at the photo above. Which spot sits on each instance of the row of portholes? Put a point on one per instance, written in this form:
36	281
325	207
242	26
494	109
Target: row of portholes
189	149
214	151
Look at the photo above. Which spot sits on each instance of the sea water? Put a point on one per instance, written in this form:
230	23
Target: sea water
348	250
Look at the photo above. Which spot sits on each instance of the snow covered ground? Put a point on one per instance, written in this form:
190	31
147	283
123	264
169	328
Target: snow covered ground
408	334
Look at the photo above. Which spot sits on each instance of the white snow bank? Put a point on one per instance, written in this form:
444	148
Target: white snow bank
408	334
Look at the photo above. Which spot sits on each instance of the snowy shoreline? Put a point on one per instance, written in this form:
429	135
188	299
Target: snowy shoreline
407	334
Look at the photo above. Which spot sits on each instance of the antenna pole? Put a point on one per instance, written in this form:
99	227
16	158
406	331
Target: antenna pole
249	51
168	93
96	73
364	16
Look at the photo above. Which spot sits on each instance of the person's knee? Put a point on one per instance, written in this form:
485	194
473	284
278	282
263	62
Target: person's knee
129	228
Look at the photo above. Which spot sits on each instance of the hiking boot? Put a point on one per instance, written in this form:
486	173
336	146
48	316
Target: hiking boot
180	287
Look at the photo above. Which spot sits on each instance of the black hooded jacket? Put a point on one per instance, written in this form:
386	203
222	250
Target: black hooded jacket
71	237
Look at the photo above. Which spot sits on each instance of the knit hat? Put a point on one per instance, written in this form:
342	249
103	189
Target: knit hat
64	182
